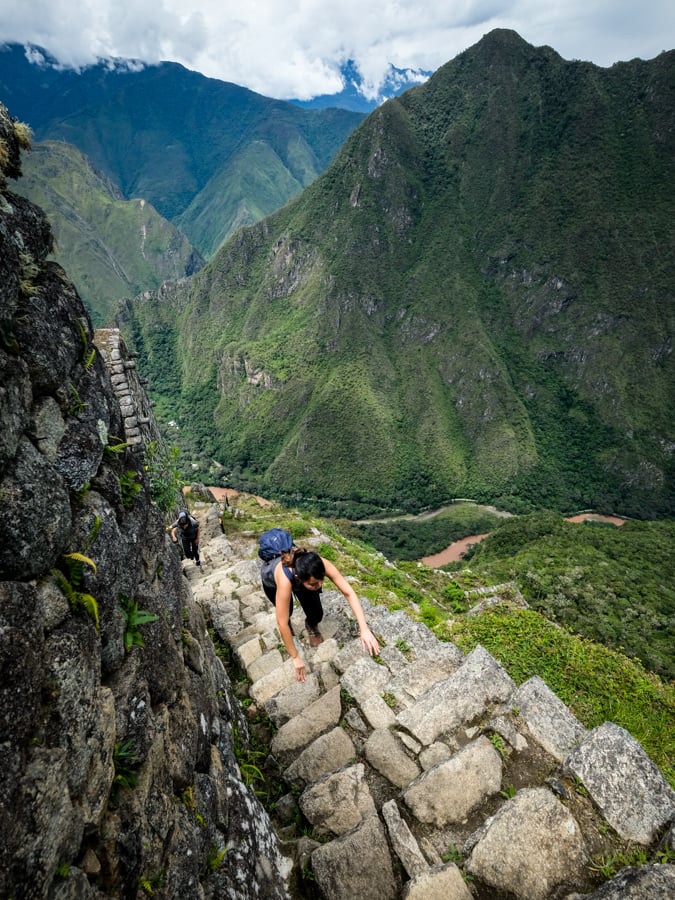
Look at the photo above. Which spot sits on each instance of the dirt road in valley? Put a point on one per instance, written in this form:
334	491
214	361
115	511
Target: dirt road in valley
454	552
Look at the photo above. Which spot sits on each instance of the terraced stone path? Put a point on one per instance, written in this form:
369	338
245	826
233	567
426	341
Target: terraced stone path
427	773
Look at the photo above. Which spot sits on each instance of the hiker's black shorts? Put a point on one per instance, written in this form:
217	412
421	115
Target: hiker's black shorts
310	601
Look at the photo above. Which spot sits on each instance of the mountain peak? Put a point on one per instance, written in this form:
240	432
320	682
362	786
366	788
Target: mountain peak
506	44
360	95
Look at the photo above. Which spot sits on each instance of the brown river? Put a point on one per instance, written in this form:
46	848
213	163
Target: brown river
454	551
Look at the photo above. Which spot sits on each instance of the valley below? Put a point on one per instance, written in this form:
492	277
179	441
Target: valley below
456	549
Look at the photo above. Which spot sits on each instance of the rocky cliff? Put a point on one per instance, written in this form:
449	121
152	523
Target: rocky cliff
126	768
117	770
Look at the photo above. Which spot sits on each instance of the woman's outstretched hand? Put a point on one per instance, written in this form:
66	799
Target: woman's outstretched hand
299	664
369	642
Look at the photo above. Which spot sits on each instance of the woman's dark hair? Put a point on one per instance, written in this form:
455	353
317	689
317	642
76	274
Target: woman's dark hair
308	564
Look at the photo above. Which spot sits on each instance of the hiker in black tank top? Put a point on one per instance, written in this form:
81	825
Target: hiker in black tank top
300	574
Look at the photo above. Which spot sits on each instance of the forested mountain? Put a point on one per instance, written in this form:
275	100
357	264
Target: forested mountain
475	299
111	247
207	154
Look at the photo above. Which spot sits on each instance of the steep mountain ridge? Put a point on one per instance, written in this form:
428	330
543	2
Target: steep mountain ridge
114	248
440	313
162	132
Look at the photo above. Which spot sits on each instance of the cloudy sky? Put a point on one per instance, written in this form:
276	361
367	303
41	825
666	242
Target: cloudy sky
294	48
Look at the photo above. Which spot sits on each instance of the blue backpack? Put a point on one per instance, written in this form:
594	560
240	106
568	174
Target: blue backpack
273	543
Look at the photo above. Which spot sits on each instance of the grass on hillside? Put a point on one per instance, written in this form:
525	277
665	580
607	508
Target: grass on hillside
613	585
597	683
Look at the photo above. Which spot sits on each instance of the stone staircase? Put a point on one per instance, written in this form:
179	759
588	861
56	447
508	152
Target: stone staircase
426	773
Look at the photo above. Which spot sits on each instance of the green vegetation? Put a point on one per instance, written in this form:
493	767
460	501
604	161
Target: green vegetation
452	855
202	169
611	584
130	487
134	618
609	864
126	763
150	883
614	585
437	315
111	248
216	858
68	575
598	684
161	464
406	539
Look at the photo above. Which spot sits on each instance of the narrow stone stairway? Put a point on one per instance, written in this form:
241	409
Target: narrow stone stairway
426	773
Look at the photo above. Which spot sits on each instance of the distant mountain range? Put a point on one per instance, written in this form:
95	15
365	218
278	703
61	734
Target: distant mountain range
475	299
206	155
355	94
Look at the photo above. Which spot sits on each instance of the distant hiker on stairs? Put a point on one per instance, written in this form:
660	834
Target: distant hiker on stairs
299	573
188	529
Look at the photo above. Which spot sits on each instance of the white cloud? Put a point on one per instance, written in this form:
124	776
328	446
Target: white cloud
294	49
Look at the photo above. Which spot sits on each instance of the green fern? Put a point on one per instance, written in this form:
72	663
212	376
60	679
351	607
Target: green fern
7	337
120	447
134	618
93	534
82	559
88	361
217	858
88	352
130	487
77	404
126	762
77	598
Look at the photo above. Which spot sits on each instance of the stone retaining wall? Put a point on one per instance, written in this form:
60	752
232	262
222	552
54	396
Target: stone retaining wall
140	426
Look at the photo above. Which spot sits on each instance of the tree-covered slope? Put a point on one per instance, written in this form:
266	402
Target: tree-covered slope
475	299
112	248
613	585
162	133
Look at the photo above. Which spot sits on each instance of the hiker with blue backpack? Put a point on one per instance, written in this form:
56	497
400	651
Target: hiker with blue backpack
289	572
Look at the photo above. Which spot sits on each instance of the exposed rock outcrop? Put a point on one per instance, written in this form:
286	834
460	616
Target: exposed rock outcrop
118	773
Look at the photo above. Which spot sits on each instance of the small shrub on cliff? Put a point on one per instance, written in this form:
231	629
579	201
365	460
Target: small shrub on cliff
88	352
4	154
28	272
165	481
217	858
125	761
150	883
130	487
23	134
